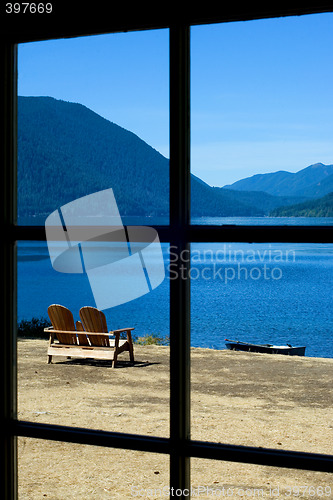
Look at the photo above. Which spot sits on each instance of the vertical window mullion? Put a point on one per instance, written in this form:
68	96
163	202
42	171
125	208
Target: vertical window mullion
8	346
179	244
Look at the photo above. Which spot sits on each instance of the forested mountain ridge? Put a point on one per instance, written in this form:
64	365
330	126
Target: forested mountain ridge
323	207
313	181
66	151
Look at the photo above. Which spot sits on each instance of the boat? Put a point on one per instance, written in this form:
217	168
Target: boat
237	345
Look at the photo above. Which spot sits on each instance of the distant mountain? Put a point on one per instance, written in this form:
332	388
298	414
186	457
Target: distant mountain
323	207
313	181
321	188
263	202
66	151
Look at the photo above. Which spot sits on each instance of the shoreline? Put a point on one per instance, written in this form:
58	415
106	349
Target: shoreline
165	343
250	399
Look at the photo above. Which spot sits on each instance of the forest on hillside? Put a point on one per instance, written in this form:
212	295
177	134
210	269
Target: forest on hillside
312	208
66	151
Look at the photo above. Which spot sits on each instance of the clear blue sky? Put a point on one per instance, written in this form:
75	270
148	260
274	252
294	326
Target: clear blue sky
261	91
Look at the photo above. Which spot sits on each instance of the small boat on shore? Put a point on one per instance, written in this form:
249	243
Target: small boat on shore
237	345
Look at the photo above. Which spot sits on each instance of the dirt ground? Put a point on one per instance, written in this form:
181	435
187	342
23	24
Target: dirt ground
249	399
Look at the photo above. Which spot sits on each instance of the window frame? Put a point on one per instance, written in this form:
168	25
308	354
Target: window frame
179	233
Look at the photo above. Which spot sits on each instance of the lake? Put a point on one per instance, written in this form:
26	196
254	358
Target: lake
263	293
260	221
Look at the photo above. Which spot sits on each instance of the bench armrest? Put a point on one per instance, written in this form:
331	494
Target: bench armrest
121	330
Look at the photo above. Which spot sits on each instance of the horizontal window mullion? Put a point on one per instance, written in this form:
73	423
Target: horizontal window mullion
90	437
260	456
227	233
198	449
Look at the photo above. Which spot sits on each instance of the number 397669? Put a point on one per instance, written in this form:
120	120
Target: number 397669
28	8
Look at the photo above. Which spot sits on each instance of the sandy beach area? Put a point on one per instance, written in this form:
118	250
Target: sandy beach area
265	400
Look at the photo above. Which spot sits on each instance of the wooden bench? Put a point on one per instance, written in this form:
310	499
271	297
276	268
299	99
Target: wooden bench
70	340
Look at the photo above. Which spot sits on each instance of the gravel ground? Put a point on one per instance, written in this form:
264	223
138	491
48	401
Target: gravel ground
238	398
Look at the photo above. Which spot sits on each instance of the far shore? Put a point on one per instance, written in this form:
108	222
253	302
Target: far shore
271	401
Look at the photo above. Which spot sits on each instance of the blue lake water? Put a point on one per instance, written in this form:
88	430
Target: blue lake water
263	293
260	221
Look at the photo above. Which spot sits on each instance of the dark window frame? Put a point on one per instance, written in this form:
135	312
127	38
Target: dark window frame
180	233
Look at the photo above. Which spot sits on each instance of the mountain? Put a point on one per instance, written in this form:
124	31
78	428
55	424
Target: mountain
321	188
313	181
323	207
66	151
263	202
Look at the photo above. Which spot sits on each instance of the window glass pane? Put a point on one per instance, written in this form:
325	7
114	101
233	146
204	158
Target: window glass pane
93	168
261	121
70	471
215	479
93	114
266	294
85	392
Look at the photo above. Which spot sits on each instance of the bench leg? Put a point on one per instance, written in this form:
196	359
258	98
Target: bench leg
116	347
130	346
114	361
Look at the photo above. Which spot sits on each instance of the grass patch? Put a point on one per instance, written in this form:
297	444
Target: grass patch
152	339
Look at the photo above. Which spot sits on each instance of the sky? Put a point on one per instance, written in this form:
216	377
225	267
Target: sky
261	91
